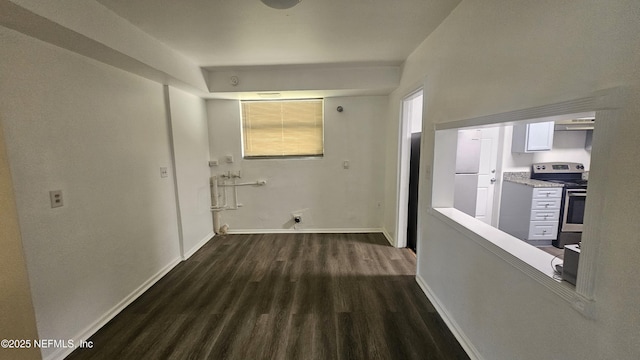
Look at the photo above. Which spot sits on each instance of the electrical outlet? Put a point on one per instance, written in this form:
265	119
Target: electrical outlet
56	198
164	172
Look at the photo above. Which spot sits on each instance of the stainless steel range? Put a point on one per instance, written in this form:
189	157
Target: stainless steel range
574	197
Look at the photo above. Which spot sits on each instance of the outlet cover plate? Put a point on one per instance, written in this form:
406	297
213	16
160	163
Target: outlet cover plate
56	199
164	172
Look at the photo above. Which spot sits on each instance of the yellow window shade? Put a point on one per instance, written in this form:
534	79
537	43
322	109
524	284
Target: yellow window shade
282	128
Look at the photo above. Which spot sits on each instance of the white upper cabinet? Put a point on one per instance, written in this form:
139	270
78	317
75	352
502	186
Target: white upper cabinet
532	137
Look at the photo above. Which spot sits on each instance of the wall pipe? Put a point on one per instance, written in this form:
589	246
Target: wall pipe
235	194
235	185
216	207
255	183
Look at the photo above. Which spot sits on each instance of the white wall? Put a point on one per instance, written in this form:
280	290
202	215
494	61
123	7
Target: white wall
191	147
567	146
416	114
100	135
89	28
491	57
16	306
329	196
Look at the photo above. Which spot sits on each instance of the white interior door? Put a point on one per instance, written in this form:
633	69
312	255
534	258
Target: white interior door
487	174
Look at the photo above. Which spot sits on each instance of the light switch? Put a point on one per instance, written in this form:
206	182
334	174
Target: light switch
345	164
213	162
229	159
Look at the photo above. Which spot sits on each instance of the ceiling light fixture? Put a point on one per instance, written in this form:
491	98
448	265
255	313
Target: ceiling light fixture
281	4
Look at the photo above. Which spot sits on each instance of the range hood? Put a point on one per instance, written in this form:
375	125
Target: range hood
581	123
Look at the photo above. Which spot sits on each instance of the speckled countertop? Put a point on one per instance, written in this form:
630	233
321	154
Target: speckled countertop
524	178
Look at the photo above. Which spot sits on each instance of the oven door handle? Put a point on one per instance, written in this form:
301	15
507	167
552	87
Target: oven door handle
576	194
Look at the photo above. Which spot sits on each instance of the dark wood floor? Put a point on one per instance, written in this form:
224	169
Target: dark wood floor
284	296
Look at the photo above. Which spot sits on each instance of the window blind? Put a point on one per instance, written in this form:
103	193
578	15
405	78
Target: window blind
282	128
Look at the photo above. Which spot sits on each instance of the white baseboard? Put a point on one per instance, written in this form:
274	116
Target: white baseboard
389	238
306	231
197	247
453	326
61	353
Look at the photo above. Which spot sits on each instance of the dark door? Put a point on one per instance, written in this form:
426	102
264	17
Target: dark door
414	171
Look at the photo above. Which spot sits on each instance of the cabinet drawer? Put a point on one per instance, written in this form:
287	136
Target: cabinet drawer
545	204
544	193
543	230
545	215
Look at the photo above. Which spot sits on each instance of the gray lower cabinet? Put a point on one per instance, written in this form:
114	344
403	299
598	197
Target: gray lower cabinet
530	213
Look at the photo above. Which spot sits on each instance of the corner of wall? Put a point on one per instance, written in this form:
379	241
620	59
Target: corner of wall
62	352
464	341
389	238
197	247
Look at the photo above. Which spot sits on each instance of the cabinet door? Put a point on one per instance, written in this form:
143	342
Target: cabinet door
545	215
540	136
545	193
543	230
545	204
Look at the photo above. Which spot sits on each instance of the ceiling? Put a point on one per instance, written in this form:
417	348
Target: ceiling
223	33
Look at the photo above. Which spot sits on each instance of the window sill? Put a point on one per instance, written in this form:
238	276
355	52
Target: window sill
535	264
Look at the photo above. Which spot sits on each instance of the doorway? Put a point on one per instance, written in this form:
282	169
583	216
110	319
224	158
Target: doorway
414	177
409	163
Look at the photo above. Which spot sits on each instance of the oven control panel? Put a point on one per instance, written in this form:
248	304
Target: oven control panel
557	168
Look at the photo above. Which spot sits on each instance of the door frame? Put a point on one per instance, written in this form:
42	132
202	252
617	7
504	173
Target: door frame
404	153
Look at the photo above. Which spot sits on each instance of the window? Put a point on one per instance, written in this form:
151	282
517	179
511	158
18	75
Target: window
519	254
291	128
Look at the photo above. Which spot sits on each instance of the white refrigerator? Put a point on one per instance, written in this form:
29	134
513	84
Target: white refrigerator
467	168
